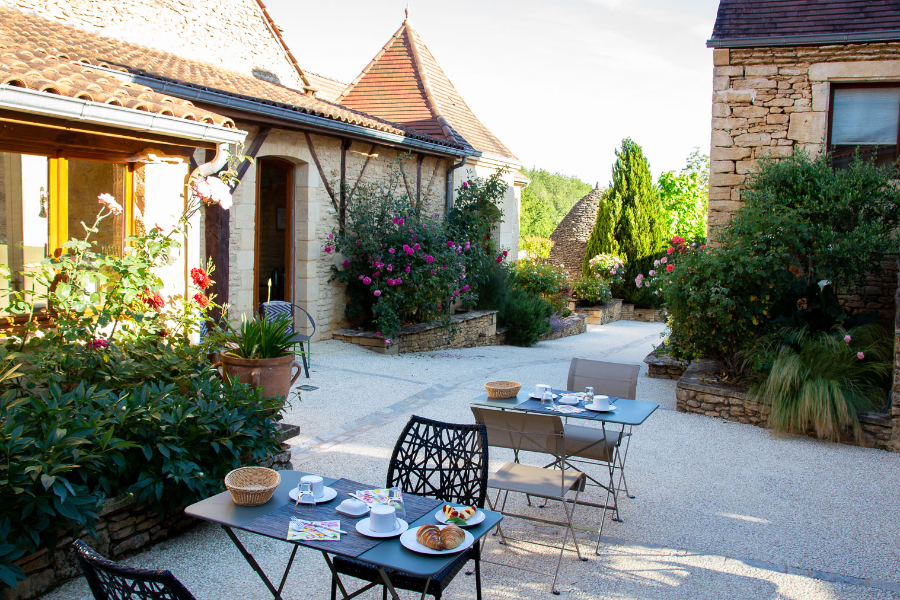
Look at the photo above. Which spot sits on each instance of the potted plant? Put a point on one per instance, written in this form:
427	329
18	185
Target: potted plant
261	353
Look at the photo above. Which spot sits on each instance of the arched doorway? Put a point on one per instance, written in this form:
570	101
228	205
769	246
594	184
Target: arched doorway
274	230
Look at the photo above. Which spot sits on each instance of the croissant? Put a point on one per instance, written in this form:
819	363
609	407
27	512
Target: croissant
430	537
452	536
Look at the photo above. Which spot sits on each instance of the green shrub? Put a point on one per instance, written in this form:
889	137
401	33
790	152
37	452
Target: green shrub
608	267
631	294
685	197
536	247
526	317
495	289
545	280
591	291
819	382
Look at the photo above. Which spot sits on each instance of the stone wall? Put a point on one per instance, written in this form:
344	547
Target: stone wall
470	329
665	367
697	391
565	327
122	529
769	101
231	34
600	315
571	236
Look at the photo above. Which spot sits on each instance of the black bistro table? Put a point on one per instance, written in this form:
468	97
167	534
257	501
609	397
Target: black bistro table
273	518
628	414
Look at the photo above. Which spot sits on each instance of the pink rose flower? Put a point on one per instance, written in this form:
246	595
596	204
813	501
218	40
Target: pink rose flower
505	253
377	293
398	281
670	250
390	267
429	259
377	334
109	202
401	222
366	280
670	268
465	288
468	245
449	244
387	342
330	236
396	221
327	249
362	277
456	292
860	355
406	269
417	247
652	272
847	338
346	263
376	273
664	260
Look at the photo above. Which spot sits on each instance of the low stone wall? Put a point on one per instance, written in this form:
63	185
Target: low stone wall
648	315
122	529
600	315
571	325
698	392
665	367
469	329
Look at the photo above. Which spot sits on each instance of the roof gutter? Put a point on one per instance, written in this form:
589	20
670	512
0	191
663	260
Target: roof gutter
450	170
262	107
806	40
86	111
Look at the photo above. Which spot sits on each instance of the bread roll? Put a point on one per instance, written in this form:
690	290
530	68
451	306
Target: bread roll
430	537
452	536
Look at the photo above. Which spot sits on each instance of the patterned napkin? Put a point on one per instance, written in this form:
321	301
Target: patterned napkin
311	533
566	409
373	497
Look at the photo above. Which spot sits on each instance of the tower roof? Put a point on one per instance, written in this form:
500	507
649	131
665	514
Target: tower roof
404	84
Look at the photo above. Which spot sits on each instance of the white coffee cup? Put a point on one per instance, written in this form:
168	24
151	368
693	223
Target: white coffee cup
352	505
540	388
315	481
600	403
382	518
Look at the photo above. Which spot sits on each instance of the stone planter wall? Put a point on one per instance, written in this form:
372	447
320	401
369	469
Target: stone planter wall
571	325
616	310
665	367
697	392
122	529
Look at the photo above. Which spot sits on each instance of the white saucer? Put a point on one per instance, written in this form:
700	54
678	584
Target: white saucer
569	399
355	515
611	408
409	541
328	494
533	397
363	528
475	519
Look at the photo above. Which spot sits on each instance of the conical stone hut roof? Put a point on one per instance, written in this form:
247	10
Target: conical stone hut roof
570	238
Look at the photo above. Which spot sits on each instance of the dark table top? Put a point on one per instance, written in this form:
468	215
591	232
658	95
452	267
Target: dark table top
389	553
628	412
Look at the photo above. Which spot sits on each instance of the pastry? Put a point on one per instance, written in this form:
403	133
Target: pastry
430	537
452	536
463	513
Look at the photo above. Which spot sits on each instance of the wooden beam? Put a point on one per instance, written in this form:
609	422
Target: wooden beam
419	160
362	171
345	145
253	150
312	150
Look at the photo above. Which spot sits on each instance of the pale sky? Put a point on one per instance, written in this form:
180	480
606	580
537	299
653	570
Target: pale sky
560	83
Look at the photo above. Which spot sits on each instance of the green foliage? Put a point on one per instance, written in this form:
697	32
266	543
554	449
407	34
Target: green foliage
547	200
545	280
537	248
263	338
403	267
626	289
526	316
632	222
685	197
818	382
608	267
591	291
495	289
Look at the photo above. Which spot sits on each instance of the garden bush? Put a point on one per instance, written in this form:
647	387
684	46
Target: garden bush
591	291
401	266
526	316
537	248
548	281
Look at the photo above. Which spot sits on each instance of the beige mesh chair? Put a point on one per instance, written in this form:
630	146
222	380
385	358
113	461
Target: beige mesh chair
601	445
525	432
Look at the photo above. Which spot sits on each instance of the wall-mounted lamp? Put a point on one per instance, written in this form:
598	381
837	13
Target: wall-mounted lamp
43	213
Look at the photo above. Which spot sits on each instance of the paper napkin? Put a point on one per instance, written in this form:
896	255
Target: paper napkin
310	533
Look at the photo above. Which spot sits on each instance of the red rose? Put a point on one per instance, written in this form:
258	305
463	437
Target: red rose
670	250
202	300
153	300
670	268
201	278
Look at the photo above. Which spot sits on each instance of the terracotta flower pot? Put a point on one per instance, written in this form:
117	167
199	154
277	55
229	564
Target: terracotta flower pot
272	374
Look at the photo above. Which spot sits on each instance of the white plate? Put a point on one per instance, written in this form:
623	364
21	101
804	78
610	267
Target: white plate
611	408
328	494
363	528
409	541
347	513
475	519
533	397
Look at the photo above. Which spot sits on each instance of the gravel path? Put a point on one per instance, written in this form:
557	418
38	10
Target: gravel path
723	510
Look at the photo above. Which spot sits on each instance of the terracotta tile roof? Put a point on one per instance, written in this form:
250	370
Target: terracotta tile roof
326	87
53	74
755	19
24	32
404	84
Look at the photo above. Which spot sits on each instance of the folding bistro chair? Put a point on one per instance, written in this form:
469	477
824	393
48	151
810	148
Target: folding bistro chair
600	445
278	308
112	581
445	461
532	433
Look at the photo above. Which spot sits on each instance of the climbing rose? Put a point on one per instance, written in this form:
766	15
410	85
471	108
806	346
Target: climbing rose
162	333
330	236
153	300
366	280
406	269
652	273
677	240
200	278
468	245
109	202
670	250
401	222
391	250
417	247
213	190
664	260
97	344
505	253
499	258
670	268
328	249
376	273
202	300
387	342
449	244
847	338
377	293
377	334
396	221
429	259
346	263
860	355
465	288
390	267
456	292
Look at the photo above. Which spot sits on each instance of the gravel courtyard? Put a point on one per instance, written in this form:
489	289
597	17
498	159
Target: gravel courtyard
723	510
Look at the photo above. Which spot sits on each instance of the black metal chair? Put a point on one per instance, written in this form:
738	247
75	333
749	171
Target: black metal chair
445	461
278	308
112	581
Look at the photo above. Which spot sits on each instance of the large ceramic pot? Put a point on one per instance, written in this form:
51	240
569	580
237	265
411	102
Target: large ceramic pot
272	374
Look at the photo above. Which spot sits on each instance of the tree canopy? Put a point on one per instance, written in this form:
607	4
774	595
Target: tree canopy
547	200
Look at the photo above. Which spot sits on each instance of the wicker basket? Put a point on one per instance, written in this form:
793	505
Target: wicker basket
502	389
252	486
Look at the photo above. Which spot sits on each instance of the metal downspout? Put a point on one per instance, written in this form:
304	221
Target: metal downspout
450	170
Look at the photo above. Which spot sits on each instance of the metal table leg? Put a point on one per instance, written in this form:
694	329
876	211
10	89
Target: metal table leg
276	592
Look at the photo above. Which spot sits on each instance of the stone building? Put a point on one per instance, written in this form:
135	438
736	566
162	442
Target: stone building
304	130
570	238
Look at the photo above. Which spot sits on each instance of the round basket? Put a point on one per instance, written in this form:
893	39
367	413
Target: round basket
252	486
502	389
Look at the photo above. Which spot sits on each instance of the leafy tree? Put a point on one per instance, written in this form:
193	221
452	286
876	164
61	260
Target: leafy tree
631	211
547	200
685	197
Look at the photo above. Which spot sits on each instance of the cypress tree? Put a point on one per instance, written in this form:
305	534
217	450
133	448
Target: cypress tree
633	224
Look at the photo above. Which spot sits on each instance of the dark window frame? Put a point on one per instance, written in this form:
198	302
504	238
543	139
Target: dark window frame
860	85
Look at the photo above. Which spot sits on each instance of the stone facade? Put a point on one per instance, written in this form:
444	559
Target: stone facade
769	101
123	528
570	238
565	327
616	310
698	392
665	367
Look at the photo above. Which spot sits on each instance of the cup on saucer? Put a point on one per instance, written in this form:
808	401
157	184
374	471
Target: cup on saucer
600	403
383	518
539	390
318	487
